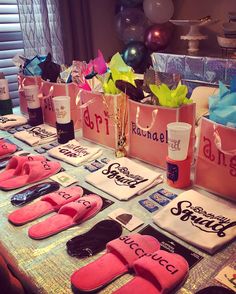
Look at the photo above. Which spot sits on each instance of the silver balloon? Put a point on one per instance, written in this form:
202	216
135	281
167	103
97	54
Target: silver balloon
129	17
133	33
158	11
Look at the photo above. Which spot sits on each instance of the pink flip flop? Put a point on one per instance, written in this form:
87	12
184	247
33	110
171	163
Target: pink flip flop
156	274
6	148
32	171
48	203
68	216
118	260
14	166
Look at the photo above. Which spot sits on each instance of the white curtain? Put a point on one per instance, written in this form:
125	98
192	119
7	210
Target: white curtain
41	28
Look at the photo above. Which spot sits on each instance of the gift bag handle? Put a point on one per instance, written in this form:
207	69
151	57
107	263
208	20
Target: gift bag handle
22	84
218	143
154	115
77	101
50	92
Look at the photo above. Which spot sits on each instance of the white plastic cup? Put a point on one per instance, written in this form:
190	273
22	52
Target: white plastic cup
178	140
31	95
62	109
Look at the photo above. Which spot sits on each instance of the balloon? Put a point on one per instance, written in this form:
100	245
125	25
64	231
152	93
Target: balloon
133	33
131	3
157	36
134	54
118	8
158	11
129	17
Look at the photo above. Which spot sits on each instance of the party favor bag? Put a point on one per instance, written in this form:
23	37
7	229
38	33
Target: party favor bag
216	159
26	81
104	118
148	130
50	90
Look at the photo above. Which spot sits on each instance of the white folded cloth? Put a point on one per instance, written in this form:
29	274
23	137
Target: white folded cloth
74	153
11	120
124	178
37	135
199	220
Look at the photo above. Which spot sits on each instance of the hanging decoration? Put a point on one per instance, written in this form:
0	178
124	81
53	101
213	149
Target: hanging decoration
144	27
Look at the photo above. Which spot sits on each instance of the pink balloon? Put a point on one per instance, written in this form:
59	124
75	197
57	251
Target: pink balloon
158	11
157	36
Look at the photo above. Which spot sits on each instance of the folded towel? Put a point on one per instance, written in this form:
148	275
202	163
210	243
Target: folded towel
199	220
11	120
123	178
74	153
37	135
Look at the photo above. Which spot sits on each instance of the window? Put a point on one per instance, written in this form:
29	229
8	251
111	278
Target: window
11	43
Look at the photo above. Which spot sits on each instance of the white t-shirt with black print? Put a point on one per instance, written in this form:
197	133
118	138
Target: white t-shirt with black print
199	220
123	178
11	120
37	135
74	153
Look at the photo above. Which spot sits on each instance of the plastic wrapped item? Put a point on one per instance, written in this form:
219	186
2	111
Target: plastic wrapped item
29	194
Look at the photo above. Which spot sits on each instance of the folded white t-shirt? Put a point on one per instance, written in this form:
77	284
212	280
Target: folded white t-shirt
123	178
37	135
11	120
199	220
74	153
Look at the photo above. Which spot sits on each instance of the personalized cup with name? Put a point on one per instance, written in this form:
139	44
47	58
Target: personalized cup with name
33	105
178	140
64	124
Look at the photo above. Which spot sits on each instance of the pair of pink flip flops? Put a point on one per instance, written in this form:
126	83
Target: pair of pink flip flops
156	271
6	148
24	170
71	208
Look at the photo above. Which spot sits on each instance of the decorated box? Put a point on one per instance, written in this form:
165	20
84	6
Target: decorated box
196	70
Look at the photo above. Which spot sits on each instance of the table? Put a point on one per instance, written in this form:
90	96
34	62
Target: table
44	265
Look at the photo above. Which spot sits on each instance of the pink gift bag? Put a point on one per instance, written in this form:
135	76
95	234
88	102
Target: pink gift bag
102	117
148	139
216	159
50	90
26	81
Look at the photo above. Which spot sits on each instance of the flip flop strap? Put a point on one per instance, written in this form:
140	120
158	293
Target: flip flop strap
130	248
36	168
6	148
167	269
22	159
77	209
63	196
